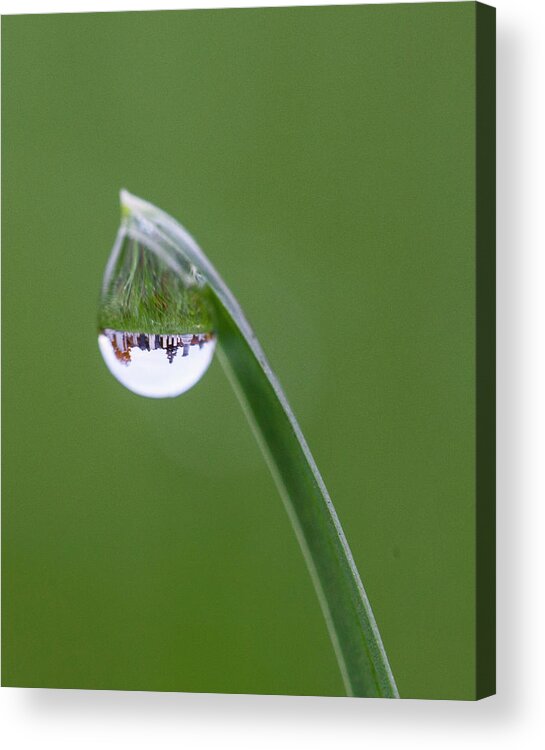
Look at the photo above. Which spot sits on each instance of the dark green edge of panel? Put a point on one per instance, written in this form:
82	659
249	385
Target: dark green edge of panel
486	351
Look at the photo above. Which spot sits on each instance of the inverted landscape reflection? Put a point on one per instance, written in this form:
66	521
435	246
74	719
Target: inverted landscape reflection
156	365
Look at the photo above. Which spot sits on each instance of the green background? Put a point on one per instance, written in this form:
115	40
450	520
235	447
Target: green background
325	160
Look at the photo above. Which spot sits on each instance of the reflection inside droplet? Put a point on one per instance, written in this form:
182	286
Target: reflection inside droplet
156	365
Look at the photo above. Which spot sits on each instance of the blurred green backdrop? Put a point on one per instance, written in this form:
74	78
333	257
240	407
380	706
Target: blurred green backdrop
324	159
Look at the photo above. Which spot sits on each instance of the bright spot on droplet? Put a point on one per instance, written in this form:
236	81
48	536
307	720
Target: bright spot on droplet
156	366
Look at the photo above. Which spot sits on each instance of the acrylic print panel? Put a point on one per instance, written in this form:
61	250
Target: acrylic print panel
336	167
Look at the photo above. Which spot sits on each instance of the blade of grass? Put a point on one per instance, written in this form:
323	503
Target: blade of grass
354	633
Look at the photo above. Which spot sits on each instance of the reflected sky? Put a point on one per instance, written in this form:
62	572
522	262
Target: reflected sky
154	365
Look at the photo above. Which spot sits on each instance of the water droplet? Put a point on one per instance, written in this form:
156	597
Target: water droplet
155	320
155	365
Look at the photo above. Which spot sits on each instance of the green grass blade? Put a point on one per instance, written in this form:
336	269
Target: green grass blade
346	608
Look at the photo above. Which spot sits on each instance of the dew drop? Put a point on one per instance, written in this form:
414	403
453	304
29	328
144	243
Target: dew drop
155	320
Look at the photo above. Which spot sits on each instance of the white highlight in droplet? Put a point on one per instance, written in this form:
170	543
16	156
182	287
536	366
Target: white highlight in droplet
150	374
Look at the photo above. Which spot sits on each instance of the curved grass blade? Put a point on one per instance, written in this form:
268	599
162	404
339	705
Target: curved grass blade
346	608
